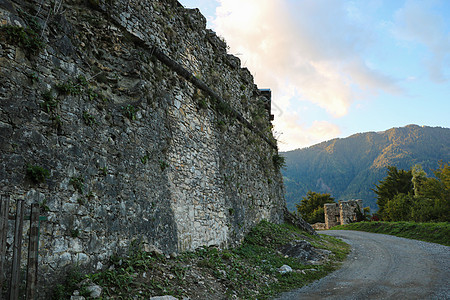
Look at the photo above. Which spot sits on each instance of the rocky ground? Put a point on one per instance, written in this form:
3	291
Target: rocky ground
271	259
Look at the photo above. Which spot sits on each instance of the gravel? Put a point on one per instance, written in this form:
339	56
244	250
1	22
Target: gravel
384	267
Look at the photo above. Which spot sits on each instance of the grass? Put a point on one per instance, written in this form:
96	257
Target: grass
248	271
429	232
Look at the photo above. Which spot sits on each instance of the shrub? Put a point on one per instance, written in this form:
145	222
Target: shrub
37	174
279	161
24	37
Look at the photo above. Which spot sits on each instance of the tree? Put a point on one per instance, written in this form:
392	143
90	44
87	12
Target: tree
434	196
396	182
399	208
419	177
311	207
412	196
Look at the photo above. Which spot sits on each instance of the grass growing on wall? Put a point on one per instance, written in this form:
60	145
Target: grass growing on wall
428	232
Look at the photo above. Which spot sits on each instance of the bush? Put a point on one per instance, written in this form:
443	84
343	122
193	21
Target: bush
37	174
279	161
25	38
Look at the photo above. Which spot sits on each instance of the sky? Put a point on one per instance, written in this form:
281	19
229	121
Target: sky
338	67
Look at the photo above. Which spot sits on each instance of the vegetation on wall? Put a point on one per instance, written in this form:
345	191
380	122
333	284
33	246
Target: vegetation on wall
24	37
37	174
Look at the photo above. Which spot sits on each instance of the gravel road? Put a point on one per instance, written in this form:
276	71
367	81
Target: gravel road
383	267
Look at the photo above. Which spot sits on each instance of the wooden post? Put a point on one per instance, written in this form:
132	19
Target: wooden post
33	252
17	249
4	214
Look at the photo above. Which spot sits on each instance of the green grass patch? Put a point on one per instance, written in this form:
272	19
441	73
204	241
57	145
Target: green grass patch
249	271
429	232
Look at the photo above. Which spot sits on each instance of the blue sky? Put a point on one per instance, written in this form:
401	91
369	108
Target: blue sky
340	67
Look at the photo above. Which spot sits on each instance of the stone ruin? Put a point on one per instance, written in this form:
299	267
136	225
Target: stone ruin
342	213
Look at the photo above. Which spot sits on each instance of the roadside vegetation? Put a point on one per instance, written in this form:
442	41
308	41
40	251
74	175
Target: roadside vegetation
429	232
413	196
249	271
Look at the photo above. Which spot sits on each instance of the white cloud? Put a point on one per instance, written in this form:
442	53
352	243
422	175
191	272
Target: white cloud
295	135
416	22
311	47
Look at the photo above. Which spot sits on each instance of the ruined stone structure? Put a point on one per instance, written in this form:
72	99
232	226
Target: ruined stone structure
148	128
341	213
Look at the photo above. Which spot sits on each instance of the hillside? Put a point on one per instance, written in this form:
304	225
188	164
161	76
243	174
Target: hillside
349	168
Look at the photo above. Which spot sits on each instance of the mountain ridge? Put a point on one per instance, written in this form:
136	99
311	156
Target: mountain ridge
350	167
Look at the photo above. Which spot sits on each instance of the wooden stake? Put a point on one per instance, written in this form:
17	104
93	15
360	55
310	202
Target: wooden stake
33	252
17	249
4	214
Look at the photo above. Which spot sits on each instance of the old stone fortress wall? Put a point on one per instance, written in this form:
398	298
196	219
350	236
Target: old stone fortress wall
117	105
341	213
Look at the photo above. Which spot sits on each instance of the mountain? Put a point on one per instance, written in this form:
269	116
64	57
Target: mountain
349	168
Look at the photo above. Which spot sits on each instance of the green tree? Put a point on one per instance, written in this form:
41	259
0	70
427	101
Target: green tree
412	196
419	177
433	202
396	182
399	208
311	207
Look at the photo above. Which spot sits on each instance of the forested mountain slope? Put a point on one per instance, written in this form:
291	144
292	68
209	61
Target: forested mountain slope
349	168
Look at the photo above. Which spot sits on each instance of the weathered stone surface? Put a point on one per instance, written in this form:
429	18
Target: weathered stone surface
304	251
135	151
342	213
94	290
163	298
284	269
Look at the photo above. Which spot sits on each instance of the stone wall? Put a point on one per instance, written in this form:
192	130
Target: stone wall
134	149
332	215
342	213
348	210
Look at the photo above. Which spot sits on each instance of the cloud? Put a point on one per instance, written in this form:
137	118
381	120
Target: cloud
296	135
416	22
312	47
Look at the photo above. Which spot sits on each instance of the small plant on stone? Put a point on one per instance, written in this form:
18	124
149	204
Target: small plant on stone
77	183
163	165
104	171
33	76
144	159
223	108
50	103
37	174
69	88
222	125
89	119
43	206
81	80
72	282
24	37
278	161
202	103
74	233
129	111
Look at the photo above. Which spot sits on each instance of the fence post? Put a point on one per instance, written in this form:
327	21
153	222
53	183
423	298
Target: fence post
17	249
4	214
33	252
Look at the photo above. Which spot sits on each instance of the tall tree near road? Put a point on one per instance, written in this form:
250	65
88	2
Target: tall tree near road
311	207
396	182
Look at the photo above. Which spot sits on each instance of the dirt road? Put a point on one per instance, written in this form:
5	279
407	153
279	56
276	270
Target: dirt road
383	267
